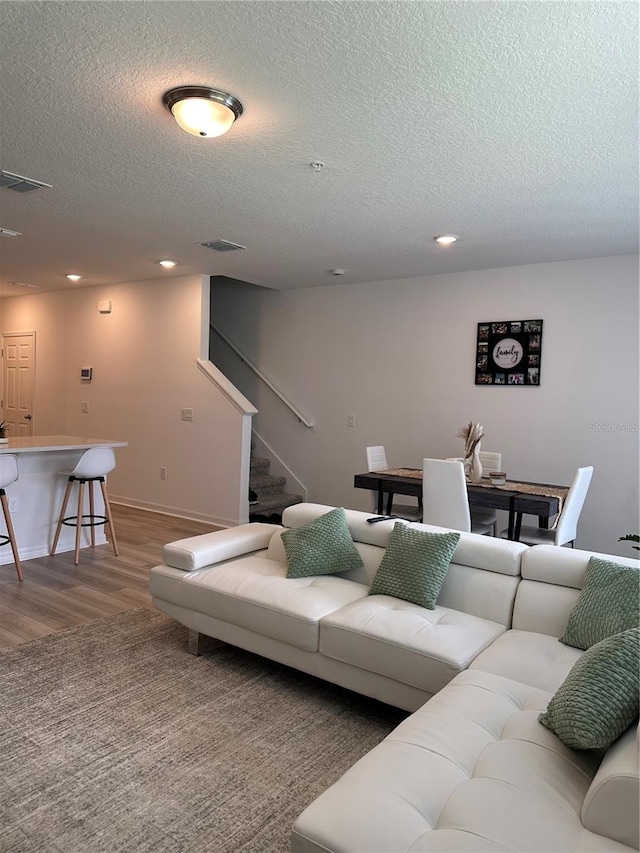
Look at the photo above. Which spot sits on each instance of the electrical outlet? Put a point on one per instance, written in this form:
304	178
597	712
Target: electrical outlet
351	420
13	504
85	407
187	414
163	473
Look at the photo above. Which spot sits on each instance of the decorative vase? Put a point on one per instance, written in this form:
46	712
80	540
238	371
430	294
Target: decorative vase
474	467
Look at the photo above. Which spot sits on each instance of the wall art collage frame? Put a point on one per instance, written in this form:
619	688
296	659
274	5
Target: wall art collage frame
509	353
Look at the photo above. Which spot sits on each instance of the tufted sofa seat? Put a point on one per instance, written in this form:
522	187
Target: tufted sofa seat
472	770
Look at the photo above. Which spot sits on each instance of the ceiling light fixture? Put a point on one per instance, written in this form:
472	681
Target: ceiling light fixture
167	264
202	111
446	239
74	277
7	232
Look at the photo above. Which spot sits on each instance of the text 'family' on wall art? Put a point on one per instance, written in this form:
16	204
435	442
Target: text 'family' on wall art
508	352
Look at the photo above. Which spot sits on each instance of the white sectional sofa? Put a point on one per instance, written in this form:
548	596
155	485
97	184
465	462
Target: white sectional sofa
232	585
472	769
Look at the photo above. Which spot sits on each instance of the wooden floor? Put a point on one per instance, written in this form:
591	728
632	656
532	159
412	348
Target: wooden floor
56	595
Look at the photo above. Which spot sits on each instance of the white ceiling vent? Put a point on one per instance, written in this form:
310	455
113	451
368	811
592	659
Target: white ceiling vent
222	246
20	184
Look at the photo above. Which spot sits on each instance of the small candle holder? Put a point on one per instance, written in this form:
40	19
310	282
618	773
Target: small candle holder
497	478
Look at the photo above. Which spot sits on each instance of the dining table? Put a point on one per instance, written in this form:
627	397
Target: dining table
516	497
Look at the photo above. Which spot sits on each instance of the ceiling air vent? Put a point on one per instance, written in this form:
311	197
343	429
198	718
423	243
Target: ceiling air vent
222	246
20	184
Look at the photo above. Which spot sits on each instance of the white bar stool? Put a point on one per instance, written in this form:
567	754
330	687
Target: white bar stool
8	475
93	466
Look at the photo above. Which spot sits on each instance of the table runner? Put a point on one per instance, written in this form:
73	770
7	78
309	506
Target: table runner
558	492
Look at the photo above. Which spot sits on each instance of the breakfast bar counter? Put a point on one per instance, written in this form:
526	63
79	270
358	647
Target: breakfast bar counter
49	443
35	499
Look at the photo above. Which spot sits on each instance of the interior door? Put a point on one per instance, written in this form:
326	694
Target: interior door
18	366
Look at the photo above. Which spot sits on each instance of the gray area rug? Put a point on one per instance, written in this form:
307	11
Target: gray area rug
114	738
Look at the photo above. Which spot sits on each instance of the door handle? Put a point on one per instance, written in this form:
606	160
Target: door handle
27	417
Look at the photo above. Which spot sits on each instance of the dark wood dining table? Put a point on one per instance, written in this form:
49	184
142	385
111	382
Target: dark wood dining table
516	503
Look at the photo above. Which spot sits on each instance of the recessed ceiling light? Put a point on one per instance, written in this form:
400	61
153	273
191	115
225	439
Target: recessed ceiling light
446	239
74	277
167	264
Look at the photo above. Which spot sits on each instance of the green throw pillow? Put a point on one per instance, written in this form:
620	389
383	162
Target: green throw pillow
414	565
322	547
609	603
598	700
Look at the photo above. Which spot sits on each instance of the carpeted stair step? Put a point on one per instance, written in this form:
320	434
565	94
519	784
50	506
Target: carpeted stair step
265	484
267	495
258	466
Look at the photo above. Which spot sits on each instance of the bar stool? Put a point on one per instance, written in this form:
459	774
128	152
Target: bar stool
93	466
8	475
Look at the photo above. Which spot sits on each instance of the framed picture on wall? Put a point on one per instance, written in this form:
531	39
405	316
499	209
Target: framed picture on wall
509	352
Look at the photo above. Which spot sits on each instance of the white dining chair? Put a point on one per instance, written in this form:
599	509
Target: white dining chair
377	461
490	461
445	502
567	524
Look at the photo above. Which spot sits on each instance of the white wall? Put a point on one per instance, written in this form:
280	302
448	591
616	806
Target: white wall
400	356
144	358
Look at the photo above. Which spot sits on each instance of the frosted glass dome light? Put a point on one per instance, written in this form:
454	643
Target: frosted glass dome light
201	111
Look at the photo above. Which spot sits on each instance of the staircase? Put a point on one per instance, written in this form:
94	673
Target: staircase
268	492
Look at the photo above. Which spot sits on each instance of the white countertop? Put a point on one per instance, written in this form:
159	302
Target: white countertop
43	443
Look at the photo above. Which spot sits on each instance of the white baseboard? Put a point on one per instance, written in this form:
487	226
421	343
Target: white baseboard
178	512
6	555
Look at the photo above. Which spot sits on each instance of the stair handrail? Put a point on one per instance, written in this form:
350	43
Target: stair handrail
260	375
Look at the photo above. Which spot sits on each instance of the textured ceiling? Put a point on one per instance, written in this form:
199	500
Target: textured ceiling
512	124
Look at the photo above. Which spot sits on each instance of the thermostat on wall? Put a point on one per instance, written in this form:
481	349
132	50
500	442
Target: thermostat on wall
86	372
